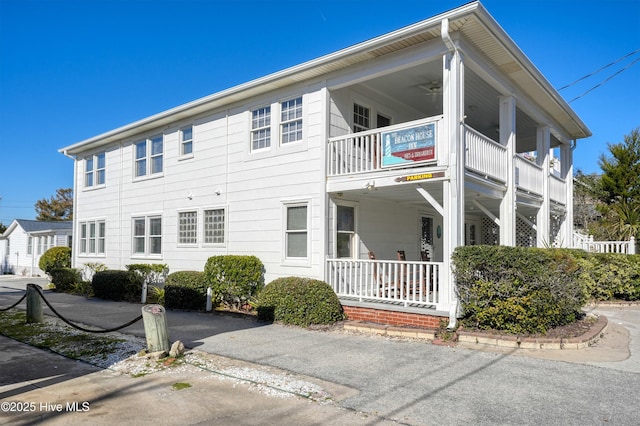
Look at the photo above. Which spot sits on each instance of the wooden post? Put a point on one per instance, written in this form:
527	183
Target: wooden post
34	304
155	328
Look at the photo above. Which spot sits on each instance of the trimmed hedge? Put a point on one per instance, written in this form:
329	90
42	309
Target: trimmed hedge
234	279
117	285
518	289
185	290
55	257
299	301
65	278
610	276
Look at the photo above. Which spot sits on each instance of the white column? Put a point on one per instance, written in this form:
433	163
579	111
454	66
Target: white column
543	146
508	139
566	162
453	189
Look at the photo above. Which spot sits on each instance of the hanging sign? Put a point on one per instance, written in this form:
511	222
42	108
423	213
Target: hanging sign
416	144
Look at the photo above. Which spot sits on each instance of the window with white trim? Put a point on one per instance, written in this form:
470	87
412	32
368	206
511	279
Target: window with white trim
94	170
147	236
186	141
41	243
296	231
30	245
149	156
214	226
261	128
346	231
51	238
188	227
361	118
92	239
291	120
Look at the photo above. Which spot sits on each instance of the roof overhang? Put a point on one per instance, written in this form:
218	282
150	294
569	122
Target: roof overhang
472	20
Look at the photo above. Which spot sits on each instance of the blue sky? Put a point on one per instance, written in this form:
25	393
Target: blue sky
70	70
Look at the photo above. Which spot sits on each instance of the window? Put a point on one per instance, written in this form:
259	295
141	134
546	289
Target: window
186	141
214	226
361	118
147	235
30	245
261	128
296	231
94	170
148	156
41	245
345	231
291	120
92	238
188	228
51	238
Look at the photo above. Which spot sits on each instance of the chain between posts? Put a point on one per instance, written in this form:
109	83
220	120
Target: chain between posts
66	321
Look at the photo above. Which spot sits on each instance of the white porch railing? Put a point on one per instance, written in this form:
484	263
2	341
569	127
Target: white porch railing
387	281
588	244
362	152
484	155
528	175
558	189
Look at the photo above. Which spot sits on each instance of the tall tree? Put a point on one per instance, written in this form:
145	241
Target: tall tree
621	171
58	207
620	185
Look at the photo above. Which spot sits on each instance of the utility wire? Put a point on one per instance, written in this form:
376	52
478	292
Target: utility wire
605	80
600	69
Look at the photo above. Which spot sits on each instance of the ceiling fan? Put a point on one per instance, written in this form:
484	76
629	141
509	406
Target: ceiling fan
433	88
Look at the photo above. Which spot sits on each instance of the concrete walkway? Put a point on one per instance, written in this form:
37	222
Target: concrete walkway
372	379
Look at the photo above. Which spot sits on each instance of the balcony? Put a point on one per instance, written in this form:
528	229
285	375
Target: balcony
361	153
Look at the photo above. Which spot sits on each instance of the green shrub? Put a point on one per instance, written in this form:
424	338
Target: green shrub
299	301
517	289
234	279
185	290
150	272
64	279
611	276
117	285
55	257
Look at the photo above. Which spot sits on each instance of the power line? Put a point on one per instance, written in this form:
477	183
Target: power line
600	69
605	80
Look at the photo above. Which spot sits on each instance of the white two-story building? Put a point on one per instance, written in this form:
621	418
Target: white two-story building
436	135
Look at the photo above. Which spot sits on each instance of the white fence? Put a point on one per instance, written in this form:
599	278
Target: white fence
404	283
528	175
588	244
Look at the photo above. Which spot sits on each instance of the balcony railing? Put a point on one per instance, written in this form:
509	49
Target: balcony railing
485	156
558	189
362	152
389	281
528	175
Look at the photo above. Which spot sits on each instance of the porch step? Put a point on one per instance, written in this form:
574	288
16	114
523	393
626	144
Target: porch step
389	330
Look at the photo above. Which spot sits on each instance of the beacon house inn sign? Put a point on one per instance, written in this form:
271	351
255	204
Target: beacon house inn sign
415	144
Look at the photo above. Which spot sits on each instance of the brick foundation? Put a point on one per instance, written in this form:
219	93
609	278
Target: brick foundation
356	313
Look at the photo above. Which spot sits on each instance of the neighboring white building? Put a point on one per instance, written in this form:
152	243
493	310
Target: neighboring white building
24	241
410	141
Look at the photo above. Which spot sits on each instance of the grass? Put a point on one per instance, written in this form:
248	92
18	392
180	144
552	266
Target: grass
97	349
180	386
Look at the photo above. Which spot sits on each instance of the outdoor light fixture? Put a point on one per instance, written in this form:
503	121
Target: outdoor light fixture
371	185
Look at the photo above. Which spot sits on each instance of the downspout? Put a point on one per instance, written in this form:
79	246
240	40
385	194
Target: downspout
75	199
454	307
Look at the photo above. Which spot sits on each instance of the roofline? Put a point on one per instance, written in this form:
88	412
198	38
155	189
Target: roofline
161	118
262	84
504	38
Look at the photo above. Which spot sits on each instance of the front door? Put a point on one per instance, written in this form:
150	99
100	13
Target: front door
426	237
